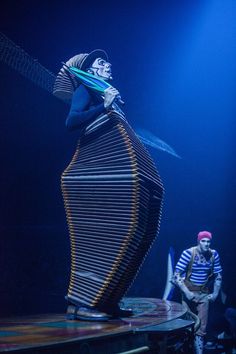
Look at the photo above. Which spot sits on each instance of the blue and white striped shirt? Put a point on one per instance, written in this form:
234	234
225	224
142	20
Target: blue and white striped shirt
201	267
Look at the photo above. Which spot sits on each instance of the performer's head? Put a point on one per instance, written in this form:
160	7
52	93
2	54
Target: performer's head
204	240
95	62
101	68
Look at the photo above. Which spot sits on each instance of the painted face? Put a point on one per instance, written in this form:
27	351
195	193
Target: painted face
204	244
101	68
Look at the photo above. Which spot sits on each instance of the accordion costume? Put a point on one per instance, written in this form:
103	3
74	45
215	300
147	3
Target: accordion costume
113	198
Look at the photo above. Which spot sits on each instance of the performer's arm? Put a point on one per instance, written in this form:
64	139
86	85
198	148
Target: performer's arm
80	112
217	270
179	281
217	286
181	268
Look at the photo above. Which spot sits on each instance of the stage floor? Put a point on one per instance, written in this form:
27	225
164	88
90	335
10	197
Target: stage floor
48	330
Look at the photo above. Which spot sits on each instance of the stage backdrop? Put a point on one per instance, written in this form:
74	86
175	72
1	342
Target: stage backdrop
174	64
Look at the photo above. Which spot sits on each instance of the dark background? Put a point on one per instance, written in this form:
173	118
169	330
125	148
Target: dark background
174	64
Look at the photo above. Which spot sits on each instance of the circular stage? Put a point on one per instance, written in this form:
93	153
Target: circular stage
51	333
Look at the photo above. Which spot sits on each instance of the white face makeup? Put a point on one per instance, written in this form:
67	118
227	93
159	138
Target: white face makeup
101	68
204	244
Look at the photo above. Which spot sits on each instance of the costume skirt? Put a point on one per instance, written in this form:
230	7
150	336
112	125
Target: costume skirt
113	198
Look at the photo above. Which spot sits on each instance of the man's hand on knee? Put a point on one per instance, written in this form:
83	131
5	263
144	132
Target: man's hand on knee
212	297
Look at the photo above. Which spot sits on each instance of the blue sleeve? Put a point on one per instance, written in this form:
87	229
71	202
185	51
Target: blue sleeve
80	111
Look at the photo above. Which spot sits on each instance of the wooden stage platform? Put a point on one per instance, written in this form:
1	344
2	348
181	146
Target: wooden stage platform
155	323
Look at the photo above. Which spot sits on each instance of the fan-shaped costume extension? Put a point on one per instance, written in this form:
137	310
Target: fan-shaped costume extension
112	194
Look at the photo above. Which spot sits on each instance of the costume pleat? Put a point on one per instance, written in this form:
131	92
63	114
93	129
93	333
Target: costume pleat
113	199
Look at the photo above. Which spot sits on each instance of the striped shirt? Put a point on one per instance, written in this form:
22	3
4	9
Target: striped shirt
201	267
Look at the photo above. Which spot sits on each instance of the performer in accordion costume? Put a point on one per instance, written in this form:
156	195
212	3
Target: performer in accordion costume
112	194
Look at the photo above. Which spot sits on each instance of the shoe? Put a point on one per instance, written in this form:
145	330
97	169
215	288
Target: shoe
119	311
85	314
125	312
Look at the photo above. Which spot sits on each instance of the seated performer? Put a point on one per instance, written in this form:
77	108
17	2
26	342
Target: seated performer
112	194
195	268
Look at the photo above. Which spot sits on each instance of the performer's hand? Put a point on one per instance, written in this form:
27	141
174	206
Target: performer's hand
189	295
200	298
212	297
110	95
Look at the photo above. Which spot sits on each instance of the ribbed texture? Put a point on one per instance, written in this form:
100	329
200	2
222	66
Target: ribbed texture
113	198
65	83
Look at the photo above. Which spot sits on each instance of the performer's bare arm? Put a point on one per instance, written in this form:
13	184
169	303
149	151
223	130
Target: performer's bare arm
179	281
217	286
